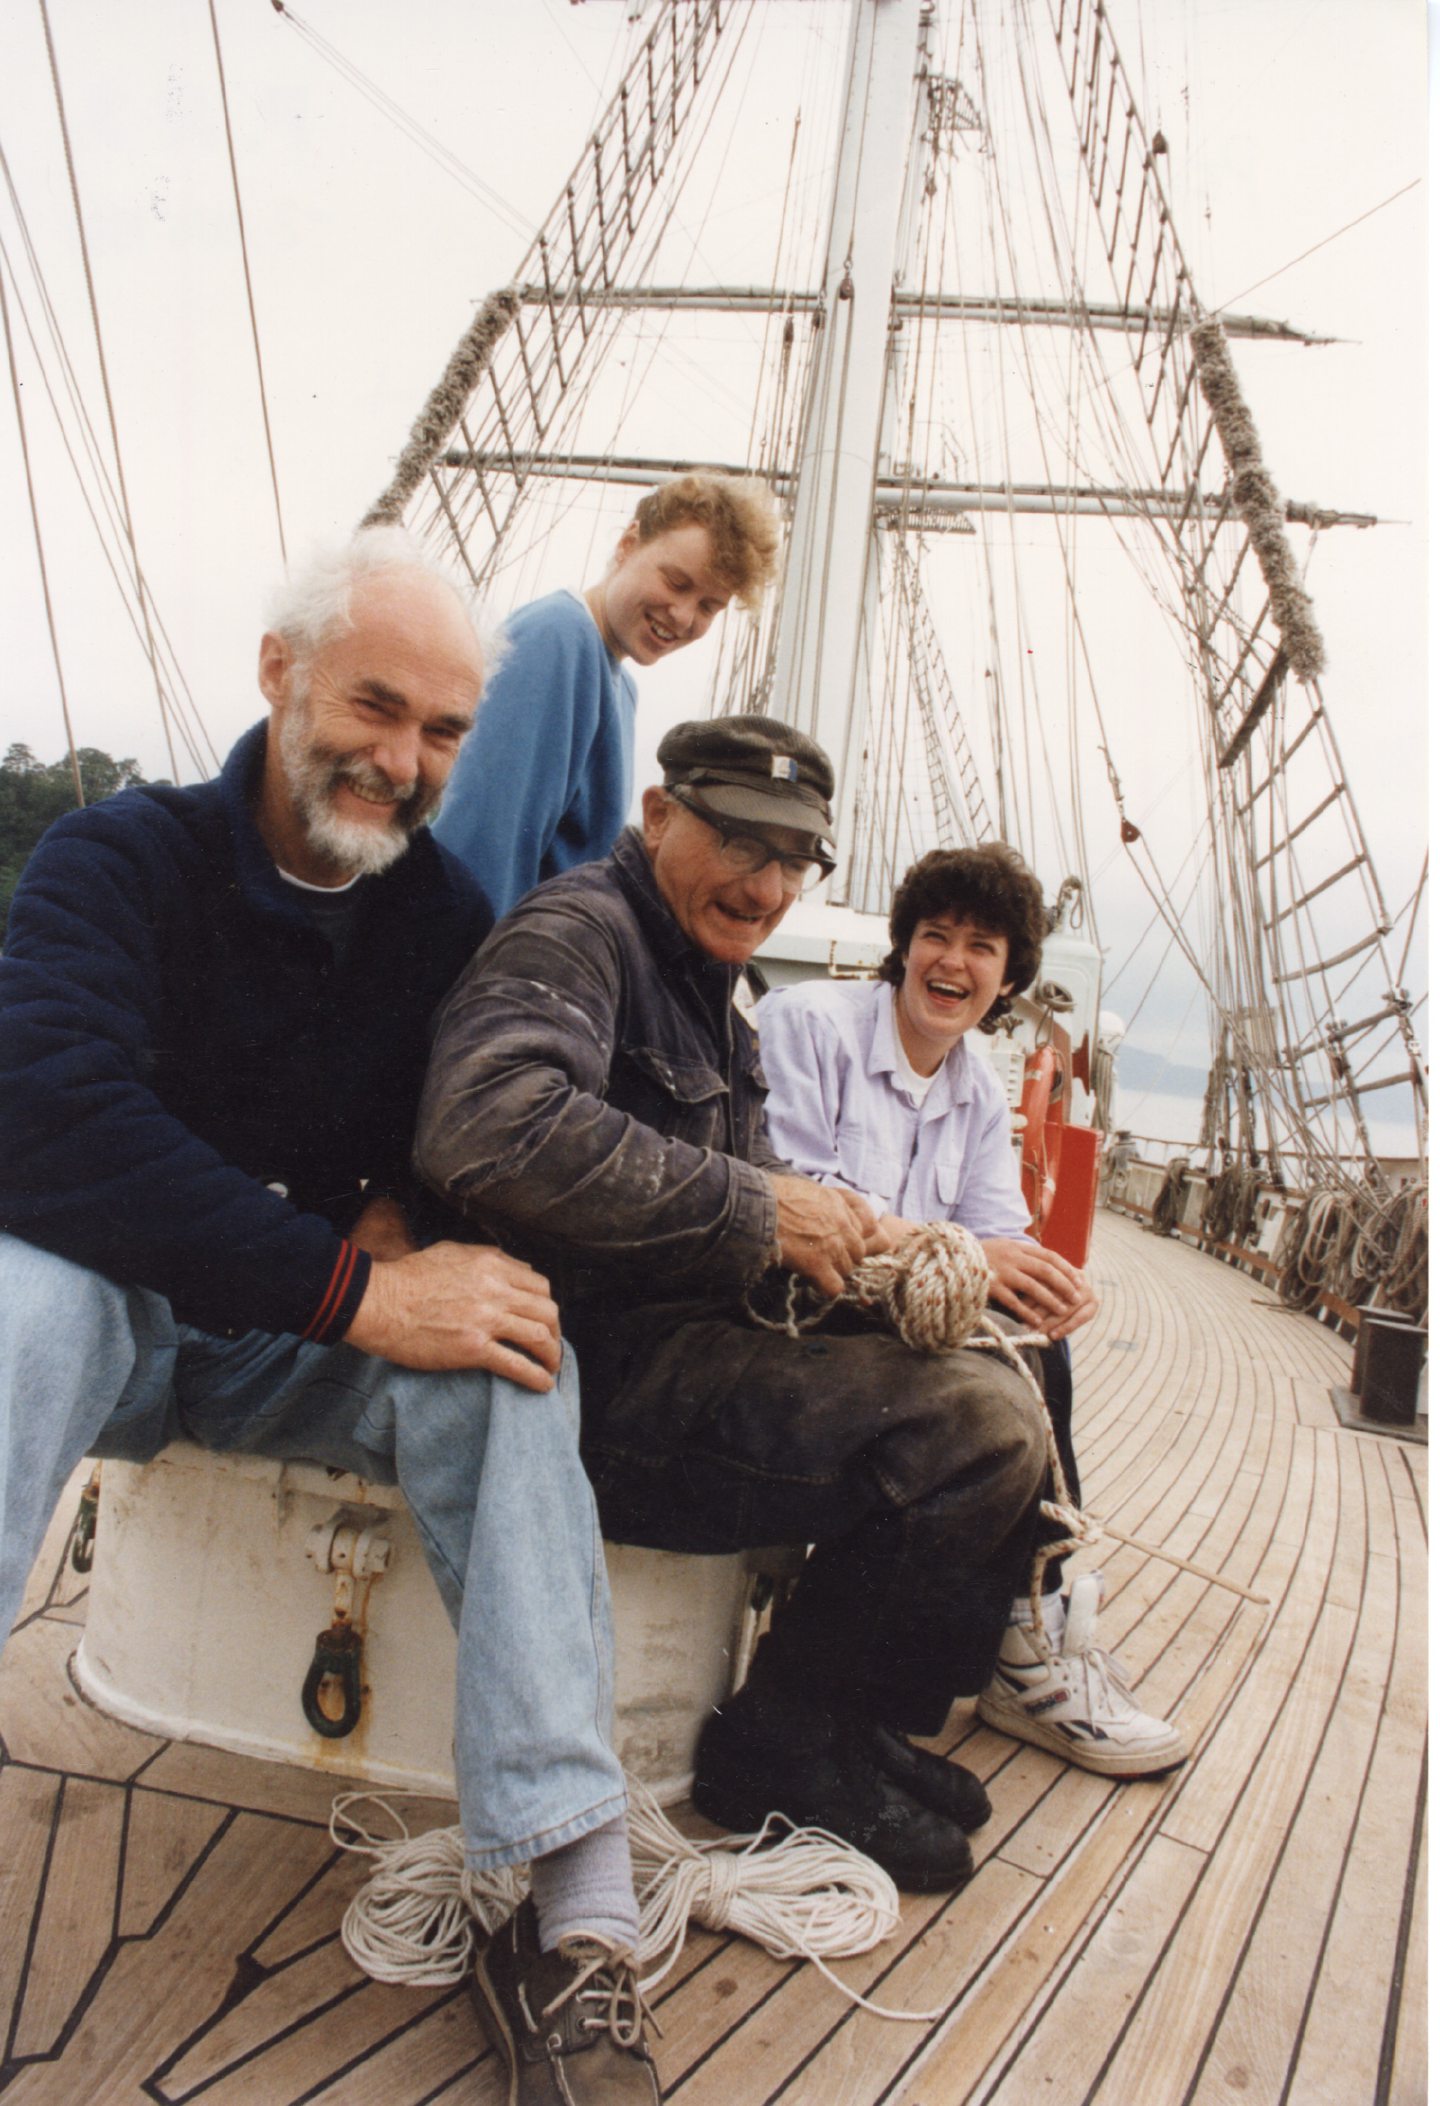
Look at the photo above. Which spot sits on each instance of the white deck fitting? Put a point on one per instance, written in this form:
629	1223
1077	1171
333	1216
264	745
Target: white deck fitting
204	1611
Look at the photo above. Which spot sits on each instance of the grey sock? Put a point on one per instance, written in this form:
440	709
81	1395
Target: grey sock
588	1888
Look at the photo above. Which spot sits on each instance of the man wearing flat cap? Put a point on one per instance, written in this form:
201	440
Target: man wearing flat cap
595	1103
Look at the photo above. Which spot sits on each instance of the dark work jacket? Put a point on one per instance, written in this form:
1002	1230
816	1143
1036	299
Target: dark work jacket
596	1103
195	1094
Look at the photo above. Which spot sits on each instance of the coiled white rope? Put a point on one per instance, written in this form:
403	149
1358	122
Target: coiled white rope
800	1893
414	1919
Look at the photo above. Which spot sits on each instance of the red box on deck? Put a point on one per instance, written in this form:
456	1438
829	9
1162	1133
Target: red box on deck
1072	1211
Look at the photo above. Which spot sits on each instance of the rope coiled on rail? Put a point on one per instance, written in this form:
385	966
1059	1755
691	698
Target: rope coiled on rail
1229	1212
1359	1247
1169	1204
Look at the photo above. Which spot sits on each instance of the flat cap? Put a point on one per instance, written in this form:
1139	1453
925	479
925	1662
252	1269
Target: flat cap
752	767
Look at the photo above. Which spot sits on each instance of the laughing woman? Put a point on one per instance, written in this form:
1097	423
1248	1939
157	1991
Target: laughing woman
873	1087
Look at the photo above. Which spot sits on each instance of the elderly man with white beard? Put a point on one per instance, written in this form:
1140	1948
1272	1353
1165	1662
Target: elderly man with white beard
214	1011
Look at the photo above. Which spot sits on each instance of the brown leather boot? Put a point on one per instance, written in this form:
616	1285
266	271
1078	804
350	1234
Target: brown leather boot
570	2024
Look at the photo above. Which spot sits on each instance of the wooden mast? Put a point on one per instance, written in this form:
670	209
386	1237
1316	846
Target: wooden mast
818	680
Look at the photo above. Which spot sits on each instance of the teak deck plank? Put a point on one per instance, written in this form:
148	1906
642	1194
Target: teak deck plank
164	1837
803	2009
28	1801
1019	1977
333	2036
861	2055
1060	2057
48	1724
1252	1927
1346	2023
1410	2080
276	2004
316	1912
1267	2009
1167	2037
443	2049
156	1992
77	1910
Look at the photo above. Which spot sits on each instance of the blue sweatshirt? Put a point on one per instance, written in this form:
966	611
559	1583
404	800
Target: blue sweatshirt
544	780
198	1096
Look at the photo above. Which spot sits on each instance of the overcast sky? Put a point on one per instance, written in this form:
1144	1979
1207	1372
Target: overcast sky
1286	120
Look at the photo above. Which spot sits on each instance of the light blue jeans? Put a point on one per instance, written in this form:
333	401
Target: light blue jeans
491	1473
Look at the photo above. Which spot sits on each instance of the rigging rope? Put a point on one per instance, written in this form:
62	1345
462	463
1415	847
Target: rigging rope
249	289
1413	184
40	545
1170	1200
105	385
1358	1246
410	126
111	523
1229	1212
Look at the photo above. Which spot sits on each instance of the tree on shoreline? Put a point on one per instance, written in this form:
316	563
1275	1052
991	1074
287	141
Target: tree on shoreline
33	792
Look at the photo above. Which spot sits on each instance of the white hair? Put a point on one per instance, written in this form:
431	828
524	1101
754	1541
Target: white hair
313	603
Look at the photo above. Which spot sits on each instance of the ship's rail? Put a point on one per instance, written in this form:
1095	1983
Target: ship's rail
1177	1197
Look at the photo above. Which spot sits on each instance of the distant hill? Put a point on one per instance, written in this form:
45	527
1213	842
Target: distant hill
1139	1070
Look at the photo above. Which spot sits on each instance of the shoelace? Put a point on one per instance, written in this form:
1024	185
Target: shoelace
1106	1692
623	2013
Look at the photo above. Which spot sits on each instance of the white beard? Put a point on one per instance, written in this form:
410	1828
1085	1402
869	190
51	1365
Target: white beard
312	774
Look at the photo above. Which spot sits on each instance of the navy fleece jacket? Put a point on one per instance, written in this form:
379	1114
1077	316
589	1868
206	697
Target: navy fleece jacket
195	1097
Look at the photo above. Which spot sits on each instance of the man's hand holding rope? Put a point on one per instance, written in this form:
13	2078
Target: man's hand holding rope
823	1231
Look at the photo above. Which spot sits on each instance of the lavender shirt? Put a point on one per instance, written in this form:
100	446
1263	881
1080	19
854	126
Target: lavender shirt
836	1112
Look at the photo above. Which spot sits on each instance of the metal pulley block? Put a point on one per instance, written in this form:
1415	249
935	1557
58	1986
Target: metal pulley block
335	1670
353	1548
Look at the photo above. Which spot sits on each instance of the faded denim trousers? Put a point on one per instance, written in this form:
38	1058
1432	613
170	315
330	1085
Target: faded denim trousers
491	1473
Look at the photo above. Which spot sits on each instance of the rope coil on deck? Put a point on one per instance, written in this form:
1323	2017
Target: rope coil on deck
1358	1246
800	1893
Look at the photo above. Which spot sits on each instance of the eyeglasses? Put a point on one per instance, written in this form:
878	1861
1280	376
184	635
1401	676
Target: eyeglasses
748	854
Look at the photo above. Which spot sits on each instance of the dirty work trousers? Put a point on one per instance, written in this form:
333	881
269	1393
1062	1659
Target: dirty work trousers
916	1476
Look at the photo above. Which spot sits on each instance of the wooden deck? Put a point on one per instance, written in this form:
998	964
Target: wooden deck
1252	1928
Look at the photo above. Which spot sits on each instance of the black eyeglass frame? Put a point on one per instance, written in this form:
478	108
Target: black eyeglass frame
822	866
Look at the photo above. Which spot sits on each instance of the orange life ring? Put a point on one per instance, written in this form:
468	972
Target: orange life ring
1042	1108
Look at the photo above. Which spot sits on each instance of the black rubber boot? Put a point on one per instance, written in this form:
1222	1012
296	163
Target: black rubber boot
760	1754
945	1787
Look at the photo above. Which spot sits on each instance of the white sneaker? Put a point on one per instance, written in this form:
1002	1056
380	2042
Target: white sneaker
1074	1700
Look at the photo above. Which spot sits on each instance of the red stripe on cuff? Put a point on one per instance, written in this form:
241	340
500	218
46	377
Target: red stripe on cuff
335	1293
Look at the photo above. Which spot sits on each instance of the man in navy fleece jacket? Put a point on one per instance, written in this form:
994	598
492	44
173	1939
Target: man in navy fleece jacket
214	1008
